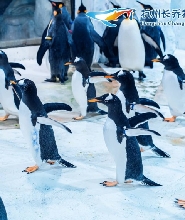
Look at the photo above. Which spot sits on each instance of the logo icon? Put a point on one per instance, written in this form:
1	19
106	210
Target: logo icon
110	15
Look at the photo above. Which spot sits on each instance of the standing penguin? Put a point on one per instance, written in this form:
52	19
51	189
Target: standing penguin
36	127
80	84
84	36
173	86
8	97
131	47
154	31
130	100
121	143
57	39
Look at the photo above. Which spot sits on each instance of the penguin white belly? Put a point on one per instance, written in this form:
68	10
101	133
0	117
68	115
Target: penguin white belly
30	133
130	46
7	97
174	95
117	150
79	92
120	95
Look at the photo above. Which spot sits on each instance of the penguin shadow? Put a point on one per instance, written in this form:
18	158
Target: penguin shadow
48	177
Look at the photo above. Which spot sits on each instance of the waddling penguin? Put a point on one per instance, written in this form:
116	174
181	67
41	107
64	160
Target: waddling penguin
173	86
110	37
3	214
8	97
36	127
154	31
131	47
121	143
57	39
130	100
80	86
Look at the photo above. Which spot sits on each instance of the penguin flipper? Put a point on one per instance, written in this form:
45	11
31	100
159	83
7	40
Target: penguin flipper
145	101
162	38
149	182
120	134
148	39
139	131
159	152
17	65
49	121
141	118
49	107
66	163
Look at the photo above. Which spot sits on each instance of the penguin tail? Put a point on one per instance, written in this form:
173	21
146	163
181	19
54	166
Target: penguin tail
149	182
159	152
66	163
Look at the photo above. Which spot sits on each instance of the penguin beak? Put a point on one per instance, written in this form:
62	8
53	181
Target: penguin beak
156	60
94	100
109	77
68	63
12	82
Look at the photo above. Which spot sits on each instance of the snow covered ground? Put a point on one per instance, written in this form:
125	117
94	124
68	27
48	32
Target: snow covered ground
59	193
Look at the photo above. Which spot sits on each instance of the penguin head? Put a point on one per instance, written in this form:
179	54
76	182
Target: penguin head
146	7
77	62
3	58
82	8
57	5
106	99
27	86
169	61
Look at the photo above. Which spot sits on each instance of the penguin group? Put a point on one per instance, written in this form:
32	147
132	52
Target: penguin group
126	130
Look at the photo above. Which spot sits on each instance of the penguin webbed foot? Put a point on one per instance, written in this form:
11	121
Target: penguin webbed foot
31	169
109	183
4	118
172	119
180	202
65	163
159	152
78	118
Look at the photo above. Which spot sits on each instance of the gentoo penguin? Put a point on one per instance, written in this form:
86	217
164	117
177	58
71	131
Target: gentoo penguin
131	47
80	83
110	37
84	36
121	143
154	31
130	100
8	97
3	214
36	127
173	86
180	202
57	39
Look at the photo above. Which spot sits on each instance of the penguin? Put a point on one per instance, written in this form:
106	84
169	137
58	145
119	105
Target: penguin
154	31
173	86
36	127
3	214
131	48
180	202
84	36
8	98
133	105
80	83
57	40
121	142
110	37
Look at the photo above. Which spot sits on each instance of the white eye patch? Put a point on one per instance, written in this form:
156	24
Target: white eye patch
109	97
166	57
21	82
121	73
1	52
76	60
